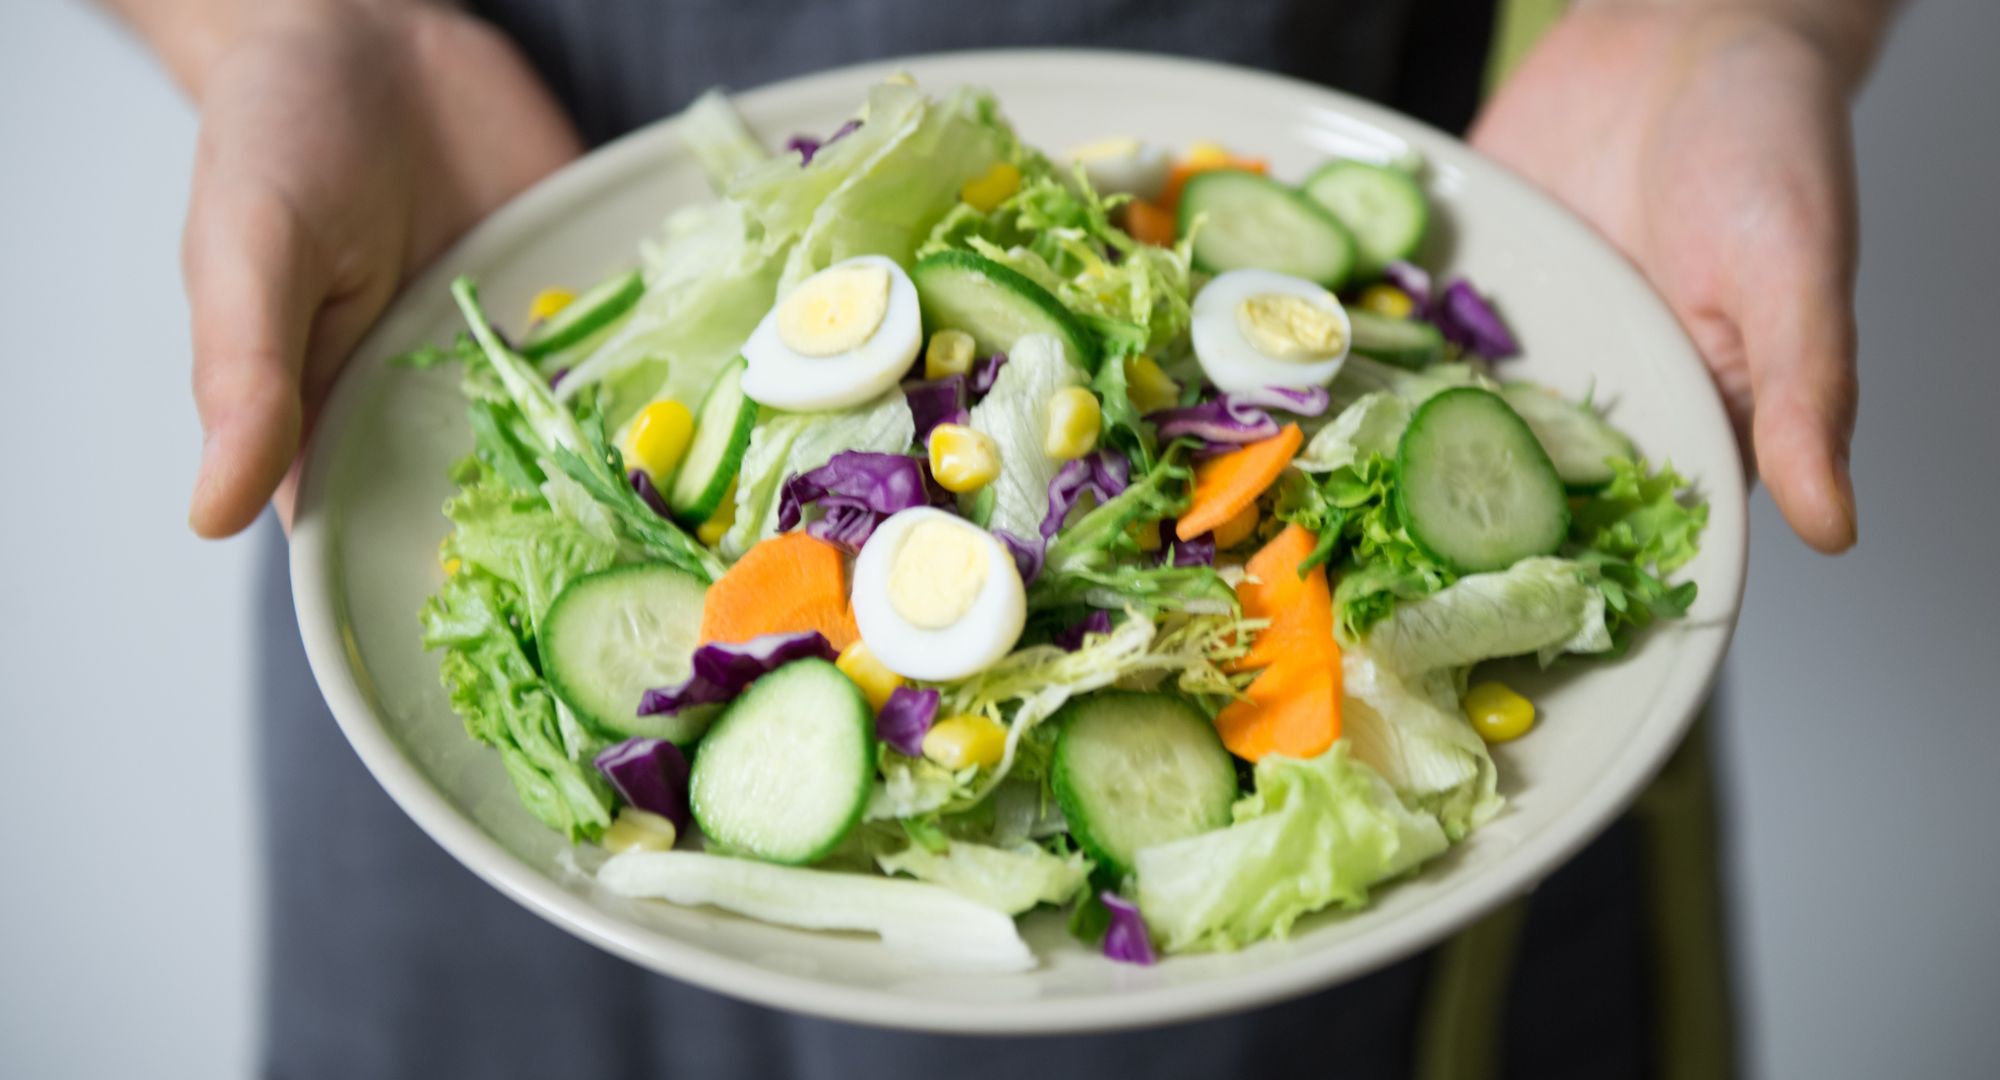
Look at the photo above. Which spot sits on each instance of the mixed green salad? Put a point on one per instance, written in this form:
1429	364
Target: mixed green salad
929	531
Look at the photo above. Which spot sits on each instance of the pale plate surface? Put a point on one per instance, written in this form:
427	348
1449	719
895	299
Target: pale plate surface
364	550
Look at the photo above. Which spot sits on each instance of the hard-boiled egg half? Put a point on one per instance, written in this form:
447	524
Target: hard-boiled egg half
838	338
937	597
1258	328
1124	167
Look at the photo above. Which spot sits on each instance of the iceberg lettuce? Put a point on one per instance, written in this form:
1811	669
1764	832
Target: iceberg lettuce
1008	879
1373	425
1415	735
1015	414
1315	833
1544	606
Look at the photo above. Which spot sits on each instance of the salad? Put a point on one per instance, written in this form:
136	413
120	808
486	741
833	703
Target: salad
930	530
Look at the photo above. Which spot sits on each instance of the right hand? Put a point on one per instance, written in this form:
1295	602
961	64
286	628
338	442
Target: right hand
341	149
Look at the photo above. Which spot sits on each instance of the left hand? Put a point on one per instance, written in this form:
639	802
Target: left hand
1712	147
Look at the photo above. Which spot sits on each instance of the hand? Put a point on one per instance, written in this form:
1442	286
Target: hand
341	148
1712	147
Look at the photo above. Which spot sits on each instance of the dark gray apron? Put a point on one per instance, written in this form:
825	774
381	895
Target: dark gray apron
386	959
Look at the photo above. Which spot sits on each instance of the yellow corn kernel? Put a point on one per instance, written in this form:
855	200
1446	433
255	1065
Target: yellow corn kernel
638	830
958	741
1208	155
1074	419
1497	712
453	566
963	460
1388	301
548	302
710	532
876	682
949	353
1148	386
1146	534
1237	529
993	187
658	439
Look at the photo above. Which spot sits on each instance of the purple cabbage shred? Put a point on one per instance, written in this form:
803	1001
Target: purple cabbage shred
855	492
723	671
1027	554
1234	419
650	775
643	484
1469	320
1102	474
1413	280
987	370
938	401
905	718
1070	638
1126	940
807	146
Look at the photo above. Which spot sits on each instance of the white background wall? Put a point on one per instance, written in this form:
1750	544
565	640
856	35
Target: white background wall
1862	741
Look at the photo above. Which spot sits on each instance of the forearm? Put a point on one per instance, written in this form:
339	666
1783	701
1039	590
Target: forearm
189	36
1849	31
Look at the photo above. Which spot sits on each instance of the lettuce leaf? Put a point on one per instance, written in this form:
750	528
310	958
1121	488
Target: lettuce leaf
1371	427
714	133
495	688
785	444
1634	533
1008	879
1015	414
1095	561
1314	833
517	538
1545	606
1415	735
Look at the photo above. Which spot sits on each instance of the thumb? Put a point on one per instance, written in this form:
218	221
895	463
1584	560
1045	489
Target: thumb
252	286
1800	344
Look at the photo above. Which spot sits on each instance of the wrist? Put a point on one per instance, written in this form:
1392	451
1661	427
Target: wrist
1846	33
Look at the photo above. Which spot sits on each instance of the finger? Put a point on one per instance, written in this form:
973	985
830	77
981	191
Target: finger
251	287
1800	343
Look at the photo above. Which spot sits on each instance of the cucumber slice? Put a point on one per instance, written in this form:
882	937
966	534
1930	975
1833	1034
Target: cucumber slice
997	306
586	315
784	774
1255	222
1578	440
611	636
1474	488
1383	207
722	425
1405	343
1132	770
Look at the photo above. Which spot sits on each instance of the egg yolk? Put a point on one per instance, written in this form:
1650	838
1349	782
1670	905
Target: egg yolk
1286	327
937	574
834	311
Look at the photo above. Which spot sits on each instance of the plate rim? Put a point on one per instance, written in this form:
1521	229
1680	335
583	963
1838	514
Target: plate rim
333	657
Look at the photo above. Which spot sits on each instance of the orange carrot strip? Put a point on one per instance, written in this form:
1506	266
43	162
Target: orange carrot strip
1224	485
1291	709
1150	223
788	583
1299	609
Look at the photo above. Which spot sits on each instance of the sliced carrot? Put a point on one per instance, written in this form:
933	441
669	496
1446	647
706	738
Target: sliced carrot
1150	223
1291	709
1299	609
1178	176
786	584
1224	485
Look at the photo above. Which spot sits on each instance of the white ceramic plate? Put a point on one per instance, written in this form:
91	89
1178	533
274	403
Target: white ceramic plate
365	542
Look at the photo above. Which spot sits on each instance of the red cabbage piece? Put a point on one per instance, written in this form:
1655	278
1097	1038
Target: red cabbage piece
1071	637
1027	554
939	401
905	718
1199	551
650	775
643	484
722	671
855	491
1103	474
987	370
1235	419
807	146
556	379
1413	280
1126	940
1470	321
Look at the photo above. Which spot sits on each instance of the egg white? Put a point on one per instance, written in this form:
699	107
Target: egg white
1133	168
1228	358
779	377
987	632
